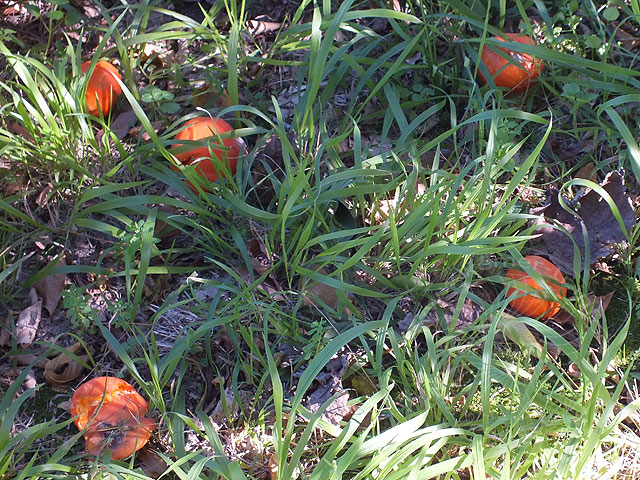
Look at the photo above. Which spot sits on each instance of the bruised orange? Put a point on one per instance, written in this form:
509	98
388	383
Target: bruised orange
102	88
517	72
105	390
118	430
532	305
201	128
112	413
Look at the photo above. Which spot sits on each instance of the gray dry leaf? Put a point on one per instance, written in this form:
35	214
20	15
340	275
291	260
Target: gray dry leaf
28	320
592	211
330	384
50	288
121	125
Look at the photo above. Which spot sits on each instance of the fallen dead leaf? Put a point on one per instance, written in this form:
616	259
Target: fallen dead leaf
315	291
588	172
62	369
329	383
261	25
273	466
30	359
592	211
208	96
122	124
573	370
260	259
597	304
151	463
19	130
627	40
43	197
50	288
136	131
152	52
30	382
29	320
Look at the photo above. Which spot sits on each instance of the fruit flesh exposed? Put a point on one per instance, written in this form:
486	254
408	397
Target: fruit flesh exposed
532	305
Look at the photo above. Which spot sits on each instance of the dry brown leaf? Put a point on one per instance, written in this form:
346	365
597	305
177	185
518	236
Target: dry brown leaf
151	463
273	466
597	304
315	291
34	360
30	382
19	130
208	96
329	383
573	370
592	212
122	124
152	52
43	197
62	369
158	126
261	25
50	288
28	320
260	260
588	172
627	40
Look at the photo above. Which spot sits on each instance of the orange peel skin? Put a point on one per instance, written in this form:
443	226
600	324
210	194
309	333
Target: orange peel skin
102	88
112	414
532	305
203	128
116	429
517	75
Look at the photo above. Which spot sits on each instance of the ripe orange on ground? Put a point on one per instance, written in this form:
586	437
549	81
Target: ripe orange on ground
113	414
532	305
102	88
517	74
118	430
201	128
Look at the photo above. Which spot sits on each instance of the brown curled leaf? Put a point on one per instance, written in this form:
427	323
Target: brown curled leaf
62	369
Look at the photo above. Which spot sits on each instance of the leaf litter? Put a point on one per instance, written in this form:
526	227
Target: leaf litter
329	386
593	212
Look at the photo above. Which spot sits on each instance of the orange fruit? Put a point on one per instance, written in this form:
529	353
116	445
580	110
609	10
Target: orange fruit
201	128
517	72
117	429
104	390
102	88
532	305
113	414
